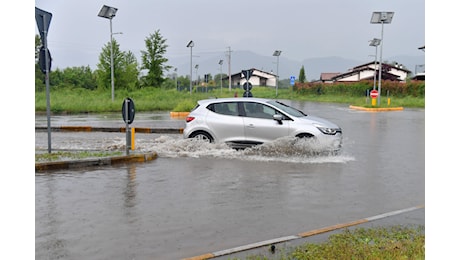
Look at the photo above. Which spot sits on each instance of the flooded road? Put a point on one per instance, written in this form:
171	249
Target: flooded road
198	198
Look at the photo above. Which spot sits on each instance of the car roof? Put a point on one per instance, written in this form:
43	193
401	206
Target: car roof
235	99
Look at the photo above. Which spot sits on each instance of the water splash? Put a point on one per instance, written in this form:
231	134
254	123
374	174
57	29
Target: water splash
281	150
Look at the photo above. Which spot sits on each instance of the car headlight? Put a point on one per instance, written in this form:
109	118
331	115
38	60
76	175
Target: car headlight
327	130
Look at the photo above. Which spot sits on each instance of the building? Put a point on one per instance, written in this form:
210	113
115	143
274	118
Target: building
258	78
368	70
327	77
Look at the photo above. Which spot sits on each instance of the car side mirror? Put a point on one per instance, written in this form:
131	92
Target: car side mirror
278	118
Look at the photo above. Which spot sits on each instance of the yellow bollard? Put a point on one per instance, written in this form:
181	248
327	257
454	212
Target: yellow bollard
374	102
389	101
133	133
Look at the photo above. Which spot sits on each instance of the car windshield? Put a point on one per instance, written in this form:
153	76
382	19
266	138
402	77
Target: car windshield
290	110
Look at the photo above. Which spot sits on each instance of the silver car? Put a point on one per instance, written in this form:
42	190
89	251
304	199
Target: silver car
244	122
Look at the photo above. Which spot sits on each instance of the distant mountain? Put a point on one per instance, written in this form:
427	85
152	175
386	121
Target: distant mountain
315	66
243	60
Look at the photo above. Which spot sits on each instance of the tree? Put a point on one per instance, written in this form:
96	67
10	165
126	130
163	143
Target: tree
129	77
302	77
38	44
39	76
78	77
153	60
125	67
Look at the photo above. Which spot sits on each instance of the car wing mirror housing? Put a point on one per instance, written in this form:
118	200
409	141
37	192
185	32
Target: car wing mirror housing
278	118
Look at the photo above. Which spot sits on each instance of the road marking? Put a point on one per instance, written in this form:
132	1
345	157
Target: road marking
301	235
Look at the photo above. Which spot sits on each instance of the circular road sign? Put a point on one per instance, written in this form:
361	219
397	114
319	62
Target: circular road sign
374	93
247	86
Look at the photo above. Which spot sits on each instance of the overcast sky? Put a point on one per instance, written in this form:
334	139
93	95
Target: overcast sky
299	28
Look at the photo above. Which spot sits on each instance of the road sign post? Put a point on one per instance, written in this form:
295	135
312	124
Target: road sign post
43	19
292	80
374	94
247	86
128	112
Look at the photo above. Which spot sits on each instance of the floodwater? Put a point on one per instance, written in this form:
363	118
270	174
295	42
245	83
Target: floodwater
198	198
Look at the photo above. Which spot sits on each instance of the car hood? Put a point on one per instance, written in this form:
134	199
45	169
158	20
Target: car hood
322	121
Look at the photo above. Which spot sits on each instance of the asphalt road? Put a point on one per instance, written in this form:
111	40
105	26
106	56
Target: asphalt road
197	199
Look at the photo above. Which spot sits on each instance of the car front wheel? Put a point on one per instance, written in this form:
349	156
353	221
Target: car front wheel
202	136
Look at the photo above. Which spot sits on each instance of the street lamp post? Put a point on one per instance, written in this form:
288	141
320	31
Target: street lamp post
190	45
277	53
381	18
375	43
196	72
175	77
220	63
109	12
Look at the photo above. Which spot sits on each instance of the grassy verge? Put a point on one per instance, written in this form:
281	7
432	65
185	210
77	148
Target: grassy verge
396	242
156	99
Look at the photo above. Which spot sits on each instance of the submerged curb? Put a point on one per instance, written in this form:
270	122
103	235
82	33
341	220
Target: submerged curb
72	164
375	109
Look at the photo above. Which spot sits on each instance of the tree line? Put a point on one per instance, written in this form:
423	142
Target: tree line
129	73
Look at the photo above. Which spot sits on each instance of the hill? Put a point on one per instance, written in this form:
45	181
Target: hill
242	60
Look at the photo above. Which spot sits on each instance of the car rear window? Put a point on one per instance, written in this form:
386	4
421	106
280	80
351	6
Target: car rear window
225	108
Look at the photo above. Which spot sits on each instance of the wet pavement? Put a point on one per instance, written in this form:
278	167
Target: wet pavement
201	198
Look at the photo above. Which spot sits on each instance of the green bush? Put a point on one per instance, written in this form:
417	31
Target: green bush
393	88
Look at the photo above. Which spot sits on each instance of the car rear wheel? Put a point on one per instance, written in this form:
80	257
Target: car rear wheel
202	136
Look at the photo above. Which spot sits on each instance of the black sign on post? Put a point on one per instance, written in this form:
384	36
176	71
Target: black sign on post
247	74
247	94
43	61
128	110
247	86
43	19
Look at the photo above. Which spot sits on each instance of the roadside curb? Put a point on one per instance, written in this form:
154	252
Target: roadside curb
111	129
375	109
72	164
178	114
301	235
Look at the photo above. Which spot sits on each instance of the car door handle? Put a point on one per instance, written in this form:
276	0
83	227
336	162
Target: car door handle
251	126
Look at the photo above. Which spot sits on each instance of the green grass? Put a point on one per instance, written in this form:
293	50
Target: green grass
156	99
73	155
392	243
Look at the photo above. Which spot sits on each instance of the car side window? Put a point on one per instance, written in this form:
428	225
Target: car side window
227	108
257	110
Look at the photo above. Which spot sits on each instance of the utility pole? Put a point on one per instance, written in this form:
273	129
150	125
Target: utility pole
229	70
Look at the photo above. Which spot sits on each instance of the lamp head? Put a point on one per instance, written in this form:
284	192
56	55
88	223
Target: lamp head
382	17
107	12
